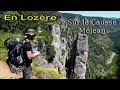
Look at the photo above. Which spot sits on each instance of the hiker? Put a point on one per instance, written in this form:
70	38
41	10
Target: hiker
28	54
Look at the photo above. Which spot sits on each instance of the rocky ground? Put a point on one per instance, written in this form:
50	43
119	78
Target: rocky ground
109	61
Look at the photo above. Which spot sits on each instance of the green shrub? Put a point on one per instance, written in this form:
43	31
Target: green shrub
45	36
63	52
46	73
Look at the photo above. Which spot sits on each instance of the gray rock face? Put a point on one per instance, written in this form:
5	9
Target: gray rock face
75	54
63	47
81	56
82	43
57	45
56	40
78	55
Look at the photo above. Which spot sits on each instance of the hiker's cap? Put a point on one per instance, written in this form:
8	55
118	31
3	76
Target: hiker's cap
30	32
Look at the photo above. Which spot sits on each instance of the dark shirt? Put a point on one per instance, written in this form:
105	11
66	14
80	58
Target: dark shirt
27	47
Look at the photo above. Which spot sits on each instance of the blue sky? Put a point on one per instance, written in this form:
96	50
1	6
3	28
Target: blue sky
115	14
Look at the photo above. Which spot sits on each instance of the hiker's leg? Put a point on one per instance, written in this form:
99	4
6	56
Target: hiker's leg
27	72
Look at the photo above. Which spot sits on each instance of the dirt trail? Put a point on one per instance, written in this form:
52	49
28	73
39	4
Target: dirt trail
6	74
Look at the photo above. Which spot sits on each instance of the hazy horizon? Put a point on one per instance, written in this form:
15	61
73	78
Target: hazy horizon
106	14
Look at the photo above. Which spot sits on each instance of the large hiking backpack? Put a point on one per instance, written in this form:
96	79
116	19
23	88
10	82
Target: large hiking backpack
15	47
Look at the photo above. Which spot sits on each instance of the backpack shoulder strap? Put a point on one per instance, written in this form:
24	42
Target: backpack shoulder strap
24	41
